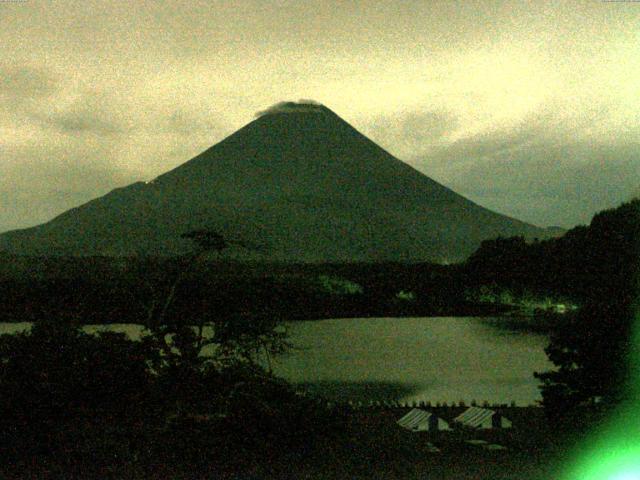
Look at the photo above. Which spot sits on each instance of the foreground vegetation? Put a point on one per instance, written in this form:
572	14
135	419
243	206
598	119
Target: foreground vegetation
84	405
76	405
102	406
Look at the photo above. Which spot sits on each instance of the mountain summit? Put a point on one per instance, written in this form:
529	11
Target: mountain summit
298	180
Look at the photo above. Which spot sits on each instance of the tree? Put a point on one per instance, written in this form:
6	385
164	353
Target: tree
61	388
592	350
194	357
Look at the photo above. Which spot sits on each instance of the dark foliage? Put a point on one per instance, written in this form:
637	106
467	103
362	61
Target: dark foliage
88	404
62	389
591	352
597	267
126	293
593	349
68	395
593	263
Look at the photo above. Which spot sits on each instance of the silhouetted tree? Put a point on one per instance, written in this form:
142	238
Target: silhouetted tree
592	350
194	356
61	388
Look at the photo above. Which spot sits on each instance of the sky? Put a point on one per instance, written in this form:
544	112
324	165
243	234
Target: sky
528	108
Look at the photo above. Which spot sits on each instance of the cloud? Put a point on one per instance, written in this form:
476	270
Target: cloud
409	134
428	127
85	121
188	123
81	143
35	104
42	181
539	171
21	83
550	167
292	107
90	112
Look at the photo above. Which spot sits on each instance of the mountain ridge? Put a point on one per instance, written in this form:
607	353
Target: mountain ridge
299	179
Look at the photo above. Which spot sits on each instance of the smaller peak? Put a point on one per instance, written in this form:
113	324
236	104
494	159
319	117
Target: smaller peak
307	106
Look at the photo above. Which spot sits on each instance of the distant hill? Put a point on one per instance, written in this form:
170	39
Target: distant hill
299	181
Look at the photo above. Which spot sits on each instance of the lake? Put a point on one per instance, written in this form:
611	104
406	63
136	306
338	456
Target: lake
431	359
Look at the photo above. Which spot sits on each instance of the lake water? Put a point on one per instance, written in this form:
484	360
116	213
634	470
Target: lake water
431	359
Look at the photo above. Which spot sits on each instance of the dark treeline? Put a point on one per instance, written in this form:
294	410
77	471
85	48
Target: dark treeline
596	268
586	263
593	349
98	292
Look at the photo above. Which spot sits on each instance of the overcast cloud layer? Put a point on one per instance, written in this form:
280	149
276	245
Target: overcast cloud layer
528	108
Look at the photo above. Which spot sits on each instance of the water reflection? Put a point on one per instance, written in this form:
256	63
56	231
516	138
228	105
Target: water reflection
360	391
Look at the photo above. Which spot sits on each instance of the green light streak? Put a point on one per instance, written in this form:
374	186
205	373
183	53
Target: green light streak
613	451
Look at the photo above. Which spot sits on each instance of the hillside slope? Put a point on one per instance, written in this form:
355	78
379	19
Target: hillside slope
299	181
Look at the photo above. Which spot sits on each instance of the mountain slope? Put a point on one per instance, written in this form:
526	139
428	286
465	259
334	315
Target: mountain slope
298	180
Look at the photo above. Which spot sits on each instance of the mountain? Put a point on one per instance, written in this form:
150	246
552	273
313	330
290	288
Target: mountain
299	181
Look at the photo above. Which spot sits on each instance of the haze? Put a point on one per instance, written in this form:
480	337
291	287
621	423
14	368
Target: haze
529	109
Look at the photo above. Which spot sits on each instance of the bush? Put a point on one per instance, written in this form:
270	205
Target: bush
61	388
